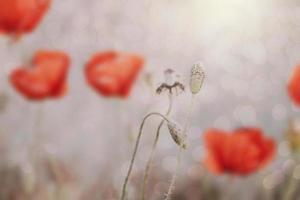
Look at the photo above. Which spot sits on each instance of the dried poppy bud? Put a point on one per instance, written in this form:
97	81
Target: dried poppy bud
197	78
177	134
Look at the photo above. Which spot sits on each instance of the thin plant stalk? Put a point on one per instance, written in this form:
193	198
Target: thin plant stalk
228	190
36	136
150	160
179	156
292	187
206	187
124	188
292	184
269	194
174	176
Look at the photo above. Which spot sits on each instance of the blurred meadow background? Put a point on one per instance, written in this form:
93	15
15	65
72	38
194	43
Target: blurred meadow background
248	50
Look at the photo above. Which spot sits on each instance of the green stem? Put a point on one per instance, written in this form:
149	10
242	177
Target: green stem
124	188
150	160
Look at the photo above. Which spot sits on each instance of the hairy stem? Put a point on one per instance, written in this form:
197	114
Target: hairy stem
150	160
124	188
175	174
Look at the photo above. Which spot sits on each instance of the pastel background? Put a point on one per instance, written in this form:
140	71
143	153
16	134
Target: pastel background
248	49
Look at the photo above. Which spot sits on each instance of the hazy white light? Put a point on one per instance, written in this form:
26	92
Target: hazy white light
296	173
222	122
279	112
245	114
284	149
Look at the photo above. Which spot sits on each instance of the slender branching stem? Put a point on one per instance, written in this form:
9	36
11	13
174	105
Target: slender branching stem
124	188
150	160
175	174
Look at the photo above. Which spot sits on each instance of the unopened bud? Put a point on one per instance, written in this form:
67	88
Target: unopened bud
197	78
177	134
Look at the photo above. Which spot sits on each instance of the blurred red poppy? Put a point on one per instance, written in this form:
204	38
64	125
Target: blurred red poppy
21	16
113	73
45	78
294	86
243	152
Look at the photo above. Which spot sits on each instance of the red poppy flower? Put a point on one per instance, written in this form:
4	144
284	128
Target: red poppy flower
112	73
243	152
21	16
294	86
45	78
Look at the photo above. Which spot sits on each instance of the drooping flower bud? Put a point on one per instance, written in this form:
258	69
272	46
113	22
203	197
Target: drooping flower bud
197	78
177	134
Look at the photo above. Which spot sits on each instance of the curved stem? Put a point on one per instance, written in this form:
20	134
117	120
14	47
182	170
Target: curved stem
186	127
150	160
135	150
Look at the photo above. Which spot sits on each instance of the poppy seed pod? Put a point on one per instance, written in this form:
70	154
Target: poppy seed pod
197	78
177	134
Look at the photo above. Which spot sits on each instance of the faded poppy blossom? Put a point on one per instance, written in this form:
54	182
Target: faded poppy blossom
44	78
294	86
112	73
21	16
171	84
242	152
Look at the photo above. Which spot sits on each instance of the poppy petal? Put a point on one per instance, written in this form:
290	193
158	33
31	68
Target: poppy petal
113	73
